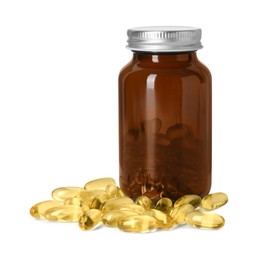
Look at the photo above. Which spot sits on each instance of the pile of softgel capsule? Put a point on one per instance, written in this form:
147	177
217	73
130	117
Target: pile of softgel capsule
102	202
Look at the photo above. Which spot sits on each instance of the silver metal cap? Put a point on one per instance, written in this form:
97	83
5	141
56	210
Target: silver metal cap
164	39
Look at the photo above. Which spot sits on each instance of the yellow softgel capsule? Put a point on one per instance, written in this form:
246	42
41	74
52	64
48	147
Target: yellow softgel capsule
99	184
144	201
164	221
38	210
111	218
179	213
90	193
214	200
114	191
140	223
109	204
90	219
129	207
64	193
66	213
78	202
204	220
192	199
87	196
98	200
132	207
164	204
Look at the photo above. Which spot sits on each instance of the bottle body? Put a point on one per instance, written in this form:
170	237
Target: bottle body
165	126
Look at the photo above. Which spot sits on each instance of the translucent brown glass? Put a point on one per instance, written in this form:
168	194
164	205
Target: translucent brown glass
165	126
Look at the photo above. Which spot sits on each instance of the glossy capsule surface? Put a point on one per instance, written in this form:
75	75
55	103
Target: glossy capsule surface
38	210
129	207
77	202
111	218
64	193
192	199
204	220
99	184
104	203
109	204
164	221
214	200
114	191
144	201
141	223
90	219
98	200
164	204
66	213
87	196
179	213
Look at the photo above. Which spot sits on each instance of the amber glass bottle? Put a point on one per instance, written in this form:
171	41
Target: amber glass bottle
165	115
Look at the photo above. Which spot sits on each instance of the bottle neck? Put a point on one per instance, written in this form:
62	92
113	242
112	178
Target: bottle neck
185	57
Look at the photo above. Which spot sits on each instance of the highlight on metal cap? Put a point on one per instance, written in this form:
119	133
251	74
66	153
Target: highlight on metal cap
164	39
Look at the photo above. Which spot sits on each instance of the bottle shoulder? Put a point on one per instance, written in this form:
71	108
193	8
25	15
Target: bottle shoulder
195	68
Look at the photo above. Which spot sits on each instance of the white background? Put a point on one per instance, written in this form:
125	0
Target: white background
59	63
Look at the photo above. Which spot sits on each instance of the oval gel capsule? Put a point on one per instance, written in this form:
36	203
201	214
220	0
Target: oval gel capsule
141	223
90	219
144	201
214	200
179	213
192	199
164	204
66	213
38	210
114	191
111	218
99	184
164	221
77	202
204	220
98	200
64	193
128	207
109	204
